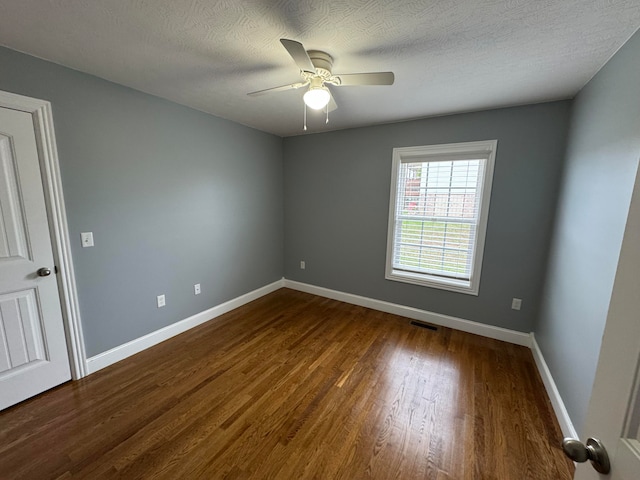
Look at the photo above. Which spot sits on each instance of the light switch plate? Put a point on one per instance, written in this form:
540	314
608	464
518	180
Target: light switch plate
196	289
87	239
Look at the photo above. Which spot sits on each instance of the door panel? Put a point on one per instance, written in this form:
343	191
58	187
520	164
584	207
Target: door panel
627	463
12	226
627	460
33	350
21	331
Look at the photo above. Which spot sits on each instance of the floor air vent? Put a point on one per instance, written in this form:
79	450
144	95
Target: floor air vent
424	325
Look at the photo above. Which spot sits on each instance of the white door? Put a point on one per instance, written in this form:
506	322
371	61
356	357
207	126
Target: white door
33	349
614	408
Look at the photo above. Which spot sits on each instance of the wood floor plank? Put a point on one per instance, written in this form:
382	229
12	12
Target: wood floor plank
294	386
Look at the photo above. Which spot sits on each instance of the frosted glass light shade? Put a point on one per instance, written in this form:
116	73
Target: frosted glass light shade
317	98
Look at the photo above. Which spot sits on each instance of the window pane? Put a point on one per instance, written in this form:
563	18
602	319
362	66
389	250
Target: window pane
437	207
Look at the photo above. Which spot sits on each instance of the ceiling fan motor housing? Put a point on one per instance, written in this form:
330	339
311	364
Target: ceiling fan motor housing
322	61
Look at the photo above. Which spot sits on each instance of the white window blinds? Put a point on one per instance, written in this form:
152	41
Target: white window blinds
437	216
438	213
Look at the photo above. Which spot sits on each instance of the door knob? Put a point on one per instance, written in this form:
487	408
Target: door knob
594	451
44	272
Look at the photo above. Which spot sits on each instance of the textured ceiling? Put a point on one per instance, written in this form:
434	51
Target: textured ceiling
448	55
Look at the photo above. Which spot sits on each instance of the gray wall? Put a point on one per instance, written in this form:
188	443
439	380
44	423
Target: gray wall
337	204
174	197
602	158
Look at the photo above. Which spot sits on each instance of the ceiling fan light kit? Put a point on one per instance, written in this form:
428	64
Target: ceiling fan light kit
318	96
315	69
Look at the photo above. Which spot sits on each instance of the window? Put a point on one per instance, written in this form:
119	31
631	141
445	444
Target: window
438	214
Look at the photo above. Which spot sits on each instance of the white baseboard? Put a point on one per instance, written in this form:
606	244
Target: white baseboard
566	425
121	352
498	333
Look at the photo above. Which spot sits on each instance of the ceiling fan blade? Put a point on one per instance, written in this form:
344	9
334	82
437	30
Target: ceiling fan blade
279	89
332	104
373	78
299	55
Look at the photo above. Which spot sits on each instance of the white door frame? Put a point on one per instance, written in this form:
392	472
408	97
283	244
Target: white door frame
40	111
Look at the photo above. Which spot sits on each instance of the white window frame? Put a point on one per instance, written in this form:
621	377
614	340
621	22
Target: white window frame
485	150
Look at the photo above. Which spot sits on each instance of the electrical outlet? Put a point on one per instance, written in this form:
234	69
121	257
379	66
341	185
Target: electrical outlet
87	239
161	301
196	289
303	265
516	303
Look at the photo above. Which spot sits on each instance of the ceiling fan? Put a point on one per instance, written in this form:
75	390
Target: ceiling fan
315	70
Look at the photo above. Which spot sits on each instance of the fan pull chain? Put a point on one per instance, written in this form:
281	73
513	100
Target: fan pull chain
327	110
305	118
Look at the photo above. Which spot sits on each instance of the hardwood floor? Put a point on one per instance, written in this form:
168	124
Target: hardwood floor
294	386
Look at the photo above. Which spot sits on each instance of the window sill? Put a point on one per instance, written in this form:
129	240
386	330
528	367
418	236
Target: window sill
459	286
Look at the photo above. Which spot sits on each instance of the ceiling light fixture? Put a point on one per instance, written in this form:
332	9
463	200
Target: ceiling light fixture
318	96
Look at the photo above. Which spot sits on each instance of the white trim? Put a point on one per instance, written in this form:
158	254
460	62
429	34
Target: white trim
566	425
473	150
498	333
121	352
40	110
125	350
